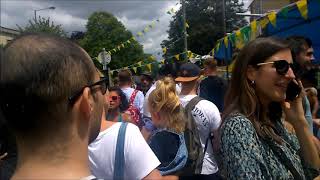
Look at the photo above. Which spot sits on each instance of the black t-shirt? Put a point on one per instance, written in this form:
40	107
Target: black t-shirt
213	88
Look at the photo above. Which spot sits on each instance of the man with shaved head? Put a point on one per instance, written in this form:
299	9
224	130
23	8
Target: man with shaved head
52	100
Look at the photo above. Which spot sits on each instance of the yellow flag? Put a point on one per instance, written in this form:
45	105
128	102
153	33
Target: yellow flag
118	47
111	72
225	40
146	29
253	26
149	67
162	61
187	25
303	8
212	52
177	56
273	18
122	45
152	58
164	50
134	69
218	46
139	34
264	22
239	40
133	38
128	42
139	63
190	54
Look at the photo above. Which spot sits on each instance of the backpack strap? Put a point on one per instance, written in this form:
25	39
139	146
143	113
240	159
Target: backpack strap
119	163
210	137
192	103
133	96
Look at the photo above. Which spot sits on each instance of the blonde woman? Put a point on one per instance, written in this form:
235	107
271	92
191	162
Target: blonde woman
167	115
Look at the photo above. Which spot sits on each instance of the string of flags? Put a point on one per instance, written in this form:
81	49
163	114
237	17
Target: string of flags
140	64
242	36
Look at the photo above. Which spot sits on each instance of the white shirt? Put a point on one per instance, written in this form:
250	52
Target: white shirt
138	100
146	111
207	118
139	158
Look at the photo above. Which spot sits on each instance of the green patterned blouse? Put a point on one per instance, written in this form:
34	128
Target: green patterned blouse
247	156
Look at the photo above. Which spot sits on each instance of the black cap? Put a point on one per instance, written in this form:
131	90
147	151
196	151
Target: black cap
188	72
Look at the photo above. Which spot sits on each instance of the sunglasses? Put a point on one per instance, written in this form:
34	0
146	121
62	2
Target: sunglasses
282	66
114	98
102	86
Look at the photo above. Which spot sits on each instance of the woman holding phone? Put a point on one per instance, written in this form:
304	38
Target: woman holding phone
254	142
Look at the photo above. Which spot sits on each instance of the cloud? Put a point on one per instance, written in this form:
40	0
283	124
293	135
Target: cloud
73	15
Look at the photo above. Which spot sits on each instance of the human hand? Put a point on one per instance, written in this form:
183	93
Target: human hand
294	109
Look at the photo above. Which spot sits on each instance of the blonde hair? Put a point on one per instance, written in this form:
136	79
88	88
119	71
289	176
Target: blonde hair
165	101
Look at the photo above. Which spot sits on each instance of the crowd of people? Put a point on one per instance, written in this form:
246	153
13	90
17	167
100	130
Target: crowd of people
60	120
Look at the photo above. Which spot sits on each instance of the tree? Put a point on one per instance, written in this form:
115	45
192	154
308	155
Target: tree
43	25
204	18
105	31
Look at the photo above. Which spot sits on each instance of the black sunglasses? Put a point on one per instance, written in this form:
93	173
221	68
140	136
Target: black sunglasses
282	66
103	87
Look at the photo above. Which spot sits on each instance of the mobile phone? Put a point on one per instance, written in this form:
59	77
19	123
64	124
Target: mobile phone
293	91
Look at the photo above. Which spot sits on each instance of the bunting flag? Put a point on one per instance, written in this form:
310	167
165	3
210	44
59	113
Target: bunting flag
264	22
190	54
149	67
135	69
122	45
177	57
152	58
164	50
133	38
139	34
162	61
303	8
253	26
245	31
225	40
285	12
129	41
273	18
118	47
187	25
218	46
139	63
239	39
212	52
145	30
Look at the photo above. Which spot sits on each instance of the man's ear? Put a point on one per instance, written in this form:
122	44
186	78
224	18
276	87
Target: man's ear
251	73
86	103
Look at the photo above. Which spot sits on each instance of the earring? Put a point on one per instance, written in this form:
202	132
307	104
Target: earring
252	82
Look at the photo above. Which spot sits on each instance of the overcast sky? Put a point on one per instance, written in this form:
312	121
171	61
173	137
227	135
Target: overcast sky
73	15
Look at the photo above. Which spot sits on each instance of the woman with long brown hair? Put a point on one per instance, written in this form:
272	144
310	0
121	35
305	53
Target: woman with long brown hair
254	142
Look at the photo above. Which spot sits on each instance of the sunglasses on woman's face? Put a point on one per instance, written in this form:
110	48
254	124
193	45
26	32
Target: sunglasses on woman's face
114	98
282	66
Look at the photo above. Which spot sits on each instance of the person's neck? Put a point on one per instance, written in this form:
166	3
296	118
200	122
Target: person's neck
112	114
54	161
125	85
188	91
213	74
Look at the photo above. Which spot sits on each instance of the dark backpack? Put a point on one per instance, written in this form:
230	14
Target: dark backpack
193	143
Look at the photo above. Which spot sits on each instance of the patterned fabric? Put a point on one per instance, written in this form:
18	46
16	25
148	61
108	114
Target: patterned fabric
247	156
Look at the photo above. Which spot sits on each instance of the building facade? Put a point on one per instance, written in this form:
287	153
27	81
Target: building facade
265	6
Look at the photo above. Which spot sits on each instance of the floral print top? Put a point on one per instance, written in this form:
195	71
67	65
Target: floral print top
247	156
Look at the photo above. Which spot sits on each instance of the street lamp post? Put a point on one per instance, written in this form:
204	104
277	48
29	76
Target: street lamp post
35	11
105	58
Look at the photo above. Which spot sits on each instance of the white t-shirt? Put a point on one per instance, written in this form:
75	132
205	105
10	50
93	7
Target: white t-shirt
138	100
139	158
146	111
208	119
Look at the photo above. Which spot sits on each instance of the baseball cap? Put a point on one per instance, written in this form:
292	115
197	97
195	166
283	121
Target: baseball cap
188	72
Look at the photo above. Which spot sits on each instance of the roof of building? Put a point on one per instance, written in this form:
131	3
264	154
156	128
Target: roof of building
9	31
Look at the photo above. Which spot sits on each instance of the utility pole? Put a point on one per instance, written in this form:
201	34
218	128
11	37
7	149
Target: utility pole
224	34
184	29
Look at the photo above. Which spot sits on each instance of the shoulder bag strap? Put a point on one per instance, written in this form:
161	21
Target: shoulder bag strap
194	101
119	163
133	96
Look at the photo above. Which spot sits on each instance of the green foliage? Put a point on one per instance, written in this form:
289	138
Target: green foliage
43	25
105	31
204	18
